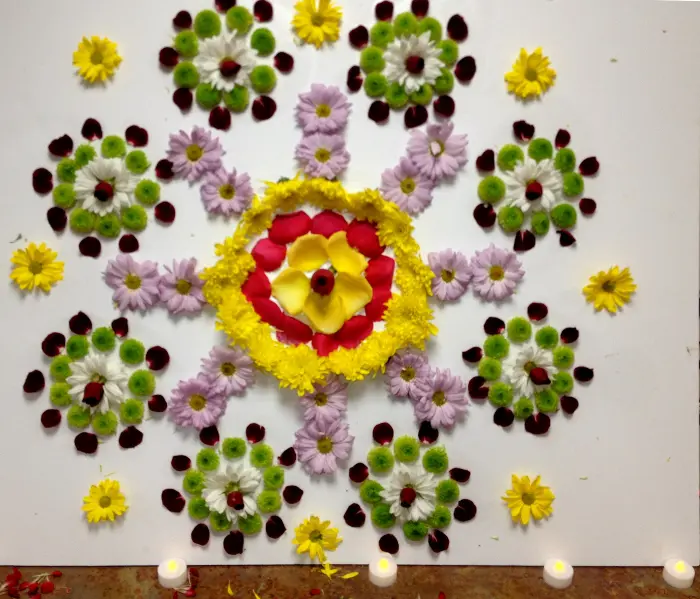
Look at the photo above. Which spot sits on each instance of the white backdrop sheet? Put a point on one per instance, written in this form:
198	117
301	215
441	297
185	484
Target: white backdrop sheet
628	92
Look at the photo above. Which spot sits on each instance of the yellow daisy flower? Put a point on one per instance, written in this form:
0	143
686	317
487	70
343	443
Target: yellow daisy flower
531	74
36	267
527	499
610	290
96	59
317	25
104	502
315	537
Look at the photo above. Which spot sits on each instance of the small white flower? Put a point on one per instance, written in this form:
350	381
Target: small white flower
99	368
422	501
104	185
544	197
234	477
224	61
412	61
517	369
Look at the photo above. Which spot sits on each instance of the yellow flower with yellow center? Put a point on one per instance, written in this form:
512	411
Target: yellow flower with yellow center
316	24
104	502
36	266
532	74
96	59
528	499
610	289
315	538
329	297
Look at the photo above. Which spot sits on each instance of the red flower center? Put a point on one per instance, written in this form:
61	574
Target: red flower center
407	496
235	500
323	281
539	376
104	191
93	394
415	65
533	191
229	67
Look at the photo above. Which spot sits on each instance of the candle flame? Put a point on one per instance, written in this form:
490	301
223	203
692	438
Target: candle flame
172	565
680	566
383	564
559	566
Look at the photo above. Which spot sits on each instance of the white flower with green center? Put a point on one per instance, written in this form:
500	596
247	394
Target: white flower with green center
105	185
413	61
102	369
232	491
410	493
518	368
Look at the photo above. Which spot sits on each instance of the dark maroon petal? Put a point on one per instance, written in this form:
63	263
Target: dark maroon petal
384	11
566	239
183	98
180	463
42	180
537	424
355	516
444	106
284	62
494	326
562	139
200	534
420	8
50	418
569	335
292	494
389	544
173	501
80	324
86	442
415	116
465	510
589	166
484	215
359	37
476	388
182	20
427	434
91	130
61	146
537	311
354	79
358	473
34	382
465	69
524	241
128	244
457	29
53	343
383	433
438	541
57	217
209	435
90	247
164	212
224	5
120	326
523	130
157	357
503	417
378	111
262	10
233	543
136	136
130	437
254	432
472	355
274	527
539	376
460	475
486	163
220	118
583	374
164	169
264	108
568	404
157	404
168	57
587	206
288	457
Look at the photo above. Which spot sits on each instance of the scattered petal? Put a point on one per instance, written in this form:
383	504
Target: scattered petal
438	541
427	434
200	534
537	424
457	29
472	355
566	239
568	404
80	324
354	516
486	163
42	180
524	241
90	247
168	57
288	457
130	437
34	382
209	435
379	111
286	228
523	130
477	389
233	543
254	433
128	244
354	81
537	311
359	37
61	146
164	169
183	98
465	69
415	116
444	106
91	130
136	136
465	510
220	118
182	20
224	5
460	475
358	473
157	357
57	218
164	212
172	500
50	418
181	463
583	374
120	326
484	215
384	11
383	433
86	442
587	206
420	8
53	343
569	335
388	543
157	404
589	166
268	255
292	494
562	139
264	108
494	326
503	417
262	10
274	527
284	62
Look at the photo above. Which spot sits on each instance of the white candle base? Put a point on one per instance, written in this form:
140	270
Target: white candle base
678	574
383	571
172	573
558	574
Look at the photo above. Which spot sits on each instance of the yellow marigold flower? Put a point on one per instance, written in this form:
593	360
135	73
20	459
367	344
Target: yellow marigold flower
257	218
104	502
315	538
301	369
317	24
96	59
527	499
610	289
36	267
531	74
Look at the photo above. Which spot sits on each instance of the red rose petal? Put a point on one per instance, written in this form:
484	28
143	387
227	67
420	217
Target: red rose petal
288	457
354	81
465	69
57	218
91	130
569	335
355	516
380	272
264	108
384	11
537	424
61	146
34	382
254	432
157	357
120	326
224	5
50	418
200	534
583	374
262	10
359	37
90	246
444	106
460	475
183	98
164	169
568	404
268	255
292	494
589	166
284	62
376	308
168	57
93	394
181	463
537	311
53	343
136	136
233	543
128	244
274	527
472	355
286	228
324	344
427	434
476	388
438	541
42	180
415	116
358	473
539	376
297	332
80	324
269	312
465	510
523	130
220	118
47	587
86	442
209	435
378	112
484	215
524	241
503	417
457	29
355	330
164	212
362	235
587	206
328	222
562	139
494	326
420	8
182	20
389	544
486	163
157	404
566	239
130	437
257	285
383	433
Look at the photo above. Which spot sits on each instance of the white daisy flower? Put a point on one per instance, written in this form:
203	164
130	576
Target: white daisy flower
239	484
412	61
99	368
410	493
534	185
224	62
518	367
104	185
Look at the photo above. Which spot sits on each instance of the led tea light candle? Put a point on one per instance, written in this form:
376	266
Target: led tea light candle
382	571
172	573
558	574
678	574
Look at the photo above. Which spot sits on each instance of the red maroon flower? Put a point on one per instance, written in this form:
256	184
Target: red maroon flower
476	388
569	335
486	163
457	29
533	191
568	404
376	308
537	424
120	326
42	180
460	475
384	11
220	118
183	98
523	130
583	374
57	218
53	343
254	432
274	527
91	130
354	82
209	435
233	543
524	241
182	20
136	136
256	285
264	108
181	463
61	146
86	442
164	212
269	312
355	330
415	116
80	324
50	418
168	57
359	37
427	434
34	382
389	544
288	457
157	404
566	239
358	473
383	433
90	247
420	8
562	139
494	326
200	534
328	222
130	437
284	62
537	311
262	10
157	357
172	500
362	235
539	376
93	394
224	5
286	228
444	106
324	344
472	355
465	510
292	494
503	417
355	516
164	170
378	111
587	206
465	69
438	541
268	255
380	272
128	244
484	215
589	166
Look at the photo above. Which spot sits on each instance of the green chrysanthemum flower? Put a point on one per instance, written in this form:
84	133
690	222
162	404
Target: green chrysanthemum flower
396	96
60	396
66	170
142	383
134	218
137	162
219	522
382	516
445	83
193	482
380	459
207	459
375	85
60	368
540	149
523	408
435	460
147	192
109	225
131	411
406	449
381	34
269	502
113	146
84	153
132	352
447	491
565	160
547	337
501	394
261	455
104	339
263	41
186	44
509	156
563	357
237	99
510	218
81	221
415	531
489	368
78	416
539	222
573	184
263	79
496	346
370	492
433	26
207	96
440	518
273	478
450	52
405	24
64	196
239	19
372	60
251	525
492	189
547	401
233	448
519	329
77	347
105	423
186	75
197	508
564	216
207	24
423	96
562	383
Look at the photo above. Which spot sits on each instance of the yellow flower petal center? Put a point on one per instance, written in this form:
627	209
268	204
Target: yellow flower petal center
183	286
322	155
609	286
198	402
408	374
531	74
317	19
98	378
408	185
132	282
226	192
227	369
321	399
315	536
96	57
439	398
529	366
437	148
231	488
447	275
323	111
324	445
528	498
35	267
105	501
194	152
496	273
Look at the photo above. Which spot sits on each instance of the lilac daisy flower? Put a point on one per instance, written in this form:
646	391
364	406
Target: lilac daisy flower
229	370
196	403
495	273
194	154
438	153
403	372
407	187
323	155
442	399
181	288
327	403
319	447
324	109
226	193
452	274
135	284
